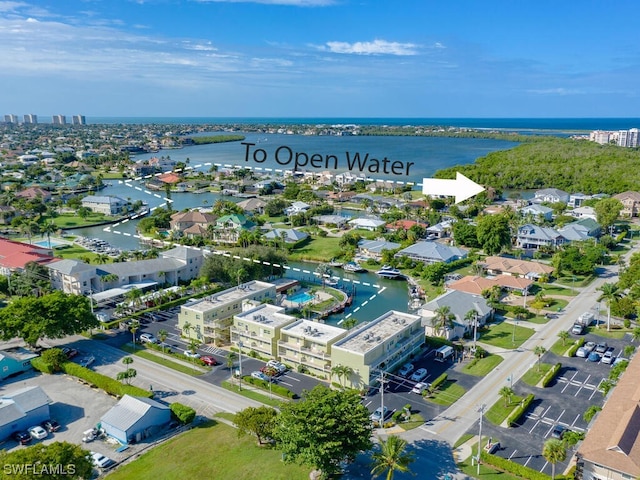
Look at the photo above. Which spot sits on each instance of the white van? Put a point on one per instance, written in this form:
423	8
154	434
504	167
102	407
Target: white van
443	353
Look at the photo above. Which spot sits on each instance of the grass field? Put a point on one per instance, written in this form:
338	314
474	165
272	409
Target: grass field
320	249
482	366
144	353
613	333
448	394
499	412
533	375
213	450
506	335
75	251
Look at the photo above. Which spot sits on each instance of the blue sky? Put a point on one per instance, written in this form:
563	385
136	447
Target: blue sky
320	58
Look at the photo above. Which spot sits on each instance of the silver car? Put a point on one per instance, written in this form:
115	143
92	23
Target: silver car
585	350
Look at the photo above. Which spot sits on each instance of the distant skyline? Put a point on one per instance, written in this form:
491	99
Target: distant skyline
319	58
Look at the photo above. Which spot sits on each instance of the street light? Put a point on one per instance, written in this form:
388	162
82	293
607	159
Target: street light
481	411
240	370
515	325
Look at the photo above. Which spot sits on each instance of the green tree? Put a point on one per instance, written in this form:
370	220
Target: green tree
129	373
564	336
606	386
162	336
258	421
493	233
554	451
539	351
343	372
54	357
607	211
231	358
443	320
506	393
591	412
133	328
610	293
324	429
73	458
392	457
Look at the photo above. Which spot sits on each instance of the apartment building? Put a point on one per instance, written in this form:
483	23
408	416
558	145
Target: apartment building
380	345
30	118
78	120
10	118
210	318
307	344
59	119
258	329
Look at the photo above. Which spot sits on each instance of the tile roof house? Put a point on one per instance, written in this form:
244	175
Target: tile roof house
630	203
192	223
459	303
611	447
476	285
32	193
133	419
432	252
252	205
513	266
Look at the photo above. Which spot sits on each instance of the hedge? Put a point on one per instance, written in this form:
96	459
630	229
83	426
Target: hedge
438	381
277	389
515	468
182	413
574	348
108	384
39	364
519	410
551	374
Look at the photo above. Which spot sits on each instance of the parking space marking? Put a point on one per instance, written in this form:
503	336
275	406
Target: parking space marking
514	452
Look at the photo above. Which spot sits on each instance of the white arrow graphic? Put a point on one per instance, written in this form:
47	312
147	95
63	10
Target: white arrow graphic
461	188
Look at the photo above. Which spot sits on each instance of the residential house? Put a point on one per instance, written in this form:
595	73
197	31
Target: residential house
21	409
192	223
106	204
290	235
378	346
577	199
228	227
516	267
611	447
367	223
252	205
374	248
210	318
584	212
534	236
439	230
306	345
583	229
432	252
258	329
460	304
550	195
297	207
403	225
15	255
630	203
33	193
133	419
15	360
331	220
537	212
7	213
477	285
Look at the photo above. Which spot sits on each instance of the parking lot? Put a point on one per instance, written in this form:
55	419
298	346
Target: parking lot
563	403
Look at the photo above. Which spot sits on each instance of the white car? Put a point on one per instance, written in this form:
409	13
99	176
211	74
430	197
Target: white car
38	432
280	367
87	361
190	354
406	369
148	338
419	375
100	460
585	350
607	357
420	388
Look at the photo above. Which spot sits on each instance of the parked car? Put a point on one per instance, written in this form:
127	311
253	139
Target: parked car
601	347
209	360
190	354
51	425
261	376
419	375
577	329
70	352
420	388
100	460
594	357
559	431
87	361
619	360
38	432
148	338
406	370
280	367
607	357
22	437
585	350
379	415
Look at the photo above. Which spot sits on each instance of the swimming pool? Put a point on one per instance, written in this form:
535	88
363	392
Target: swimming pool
45	243
302	297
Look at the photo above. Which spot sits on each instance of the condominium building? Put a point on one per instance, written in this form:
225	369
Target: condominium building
30	118
78	120
307	345
210	318
380	345
10	118
59	120
258	329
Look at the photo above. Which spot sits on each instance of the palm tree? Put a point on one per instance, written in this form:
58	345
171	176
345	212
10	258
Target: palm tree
539	351
135	325
392	457
342	372
635	334
443	320
564	335
471	317
162	336
554	451
610	293
506	393
186	328
47	229
231	358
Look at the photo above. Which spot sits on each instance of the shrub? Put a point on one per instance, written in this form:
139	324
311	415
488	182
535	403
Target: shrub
39	364
54	357
519	410
438	381
551	374
396	417
574	348
513	467
182	413
108	384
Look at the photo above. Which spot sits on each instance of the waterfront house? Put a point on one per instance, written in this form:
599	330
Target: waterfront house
478	285
460	304
192	223
367	223
550	195
512	266
439	230
227	228
381	345
133	419
15	255
289	235
534	236
106	204
630	203
34	193
432	252
258	329
297	207
374	248
537	212
252	205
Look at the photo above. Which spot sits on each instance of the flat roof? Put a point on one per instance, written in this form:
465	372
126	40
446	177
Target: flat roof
267	315
230	295
377	331
316	331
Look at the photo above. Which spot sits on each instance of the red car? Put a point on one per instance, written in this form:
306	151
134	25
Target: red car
70	352
208	360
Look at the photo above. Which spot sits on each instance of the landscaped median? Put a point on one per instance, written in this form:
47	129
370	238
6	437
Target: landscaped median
506	414
184	365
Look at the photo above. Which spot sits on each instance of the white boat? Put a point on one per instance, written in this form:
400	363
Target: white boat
389	272
353	267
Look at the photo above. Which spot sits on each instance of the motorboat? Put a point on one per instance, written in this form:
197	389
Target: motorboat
388	271
353	267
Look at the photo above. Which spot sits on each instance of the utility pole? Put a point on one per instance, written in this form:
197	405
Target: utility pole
240	356
481	411
382	397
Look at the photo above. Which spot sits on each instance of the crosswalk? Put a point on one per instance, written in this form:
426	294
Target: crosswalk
214	350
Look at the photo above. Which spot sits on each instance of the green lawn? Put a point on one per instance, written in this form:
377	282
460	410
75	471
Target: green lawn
415	421
533	375
617	333
252	394
448	394
75	251
499	412
559	348
67	220
321	249
482	366
486	471
557	290
506	335
144	353
210	451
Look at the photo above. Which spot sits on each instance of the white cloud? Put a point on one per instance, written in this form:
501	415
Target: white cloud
556	91
377	47
292	3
